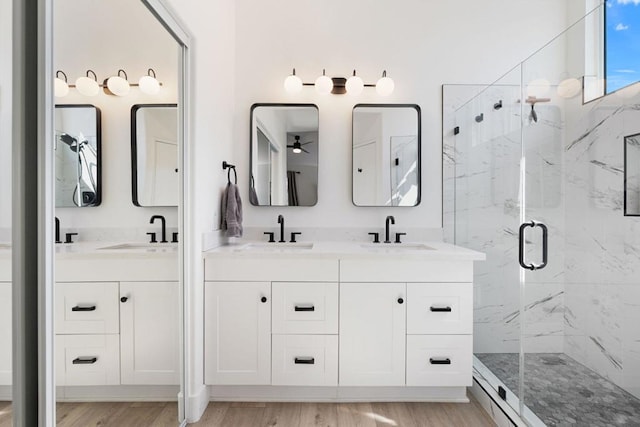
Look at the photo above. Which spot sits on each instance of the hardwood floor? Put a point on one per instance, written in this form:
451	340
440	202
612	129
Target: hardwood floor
233	414
247	414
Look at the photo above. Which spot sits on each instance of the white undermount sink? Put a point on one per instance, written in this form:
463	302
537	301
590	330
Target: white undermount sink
275	247
141	245
397	246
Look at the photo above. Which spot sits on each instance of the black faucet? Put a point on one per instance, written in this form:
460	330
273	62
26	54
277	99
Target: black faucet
392	220
281	222
58	230
164	226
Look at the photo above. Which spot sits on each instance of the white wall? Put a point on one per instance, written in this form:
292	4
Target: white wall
96	35
5	119
421	44
212	26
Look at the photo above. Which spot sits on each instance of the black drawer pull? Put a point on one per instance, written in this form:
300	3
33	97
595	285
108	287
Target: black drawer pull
440	309
304	361
85	360
440	361
84	308
304	308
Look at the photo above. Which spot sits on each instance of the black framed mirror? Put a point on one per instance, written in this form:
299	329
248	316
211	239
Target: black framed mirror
154	155
386	153
632	175
284	155
78	160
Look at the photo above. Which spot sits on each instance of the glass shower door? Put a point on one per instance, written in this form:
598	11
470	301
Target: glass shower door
488	204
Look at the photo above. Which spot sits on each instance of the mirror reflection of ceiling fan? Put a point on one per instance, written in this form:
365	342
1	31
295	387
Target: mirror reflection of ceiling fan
297	146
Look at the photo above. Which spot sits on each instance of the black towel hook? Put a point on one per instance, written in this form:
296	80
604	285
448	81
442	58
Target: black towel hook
229	166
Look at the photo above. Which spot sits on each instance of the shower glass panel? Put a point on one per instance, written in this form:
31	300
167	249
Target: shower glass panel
538	182
487	216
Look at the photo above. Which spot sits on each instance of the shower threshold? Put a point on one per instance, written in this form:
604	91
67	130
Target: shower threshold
559	391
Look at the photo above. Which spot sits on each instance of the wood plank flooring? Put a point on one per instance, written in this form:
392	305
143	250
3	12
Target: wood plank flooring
248	414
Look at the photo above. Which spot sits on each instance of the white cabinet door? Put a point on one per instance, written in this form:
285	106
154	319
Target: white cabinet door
372	334
5	333
237	333
149	326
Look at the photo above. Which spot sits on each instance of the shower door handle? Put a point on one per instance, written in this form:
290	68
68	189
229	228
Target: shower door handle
545	246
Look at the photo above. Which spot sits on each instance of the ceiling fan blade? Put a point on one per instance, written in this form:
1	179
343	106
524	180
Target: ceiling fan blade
304	150
305	143
290	146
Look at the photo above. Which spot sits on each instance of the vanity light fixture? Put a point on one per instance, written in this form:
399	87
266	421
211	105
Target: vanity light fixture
116	85
149	84
339	85
324	85
354	85
292	83
88	86
60	87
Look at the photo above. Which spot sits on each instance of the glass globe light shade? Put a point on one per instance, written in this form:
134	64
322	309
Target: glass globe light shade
60	88
297	150
293	84
568	88
149	85
354	85
118	86
538	88
385	86
324	85
87	86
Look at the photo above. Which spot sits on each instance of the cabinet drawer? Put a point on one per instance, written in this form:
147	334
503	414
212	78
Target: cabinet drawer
87	360
304	308
305	360
439	308
87	308
439	360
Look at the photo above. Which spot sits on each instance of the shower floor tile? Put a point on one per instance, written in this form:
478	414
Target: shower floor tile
563	392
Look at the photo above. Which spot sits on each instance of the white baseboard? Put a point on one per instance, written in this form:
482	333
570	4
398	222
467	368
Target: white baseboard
337	394
197	404
6	393
118	393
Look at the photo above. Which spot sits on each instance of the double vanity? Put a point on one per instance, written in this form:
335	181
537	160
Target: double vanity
318	320
338	321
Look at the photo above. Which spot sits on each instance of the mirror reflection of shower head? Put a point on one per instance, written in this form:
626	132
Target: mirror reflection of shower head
533	101
533	115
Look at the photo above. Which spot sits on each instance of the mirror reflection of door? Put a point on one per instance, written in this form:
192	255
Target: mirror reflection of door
155	155
262	180
386	155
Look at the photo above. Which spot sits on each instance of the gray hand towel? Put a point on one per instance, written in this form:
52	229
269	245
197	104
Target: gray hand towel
232	211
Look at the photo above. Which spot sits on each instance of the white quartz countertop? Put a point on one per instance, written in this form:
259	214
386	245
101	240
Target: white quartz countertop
344	250
107	250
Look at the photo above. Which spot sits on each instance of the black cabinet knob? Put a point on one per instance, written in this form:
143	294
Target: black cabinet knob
263	299
124	299
400	301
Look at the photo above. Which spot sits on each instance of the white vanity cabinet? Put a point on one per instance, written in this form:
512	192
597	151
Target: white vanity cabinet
362	321
5	333
237	333
372	334
262	318
149	333
116	323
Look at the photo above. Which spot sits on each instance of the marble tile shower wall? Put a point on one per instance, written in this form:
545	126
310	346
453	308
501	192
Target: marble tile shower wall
481	167
602	276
